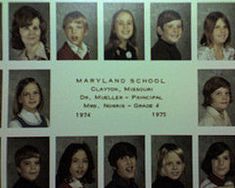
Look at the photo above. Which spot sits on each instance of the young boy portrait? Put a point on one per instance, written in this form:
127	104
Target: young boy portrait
27	160
170	31
75	28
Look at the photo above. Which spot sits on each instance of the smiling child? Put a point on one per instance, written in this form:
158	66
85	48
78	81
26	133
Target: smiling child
27	161
75	167
28	103
123	157
170	167
218	164
169	31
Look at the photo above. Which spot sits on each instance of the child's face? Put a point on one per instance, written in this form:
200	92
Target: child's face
173	166
79	164
29	168
220	32
221	164
30	97
30	35
126	167
171	31
124	26
220	99
75	32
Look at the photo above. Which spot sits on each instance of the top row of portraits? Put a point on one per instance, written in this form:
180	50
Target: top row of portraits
123	34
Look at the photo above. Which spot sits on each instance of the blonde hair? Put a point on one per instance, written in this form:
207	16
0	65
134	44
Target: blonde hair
163	151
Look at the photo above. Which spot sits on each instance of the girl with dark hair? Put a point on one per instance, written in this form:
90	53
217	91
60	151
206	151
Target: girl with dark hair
75	167
217	97
28	103
170	167
122	39
218	164
29	35
216	38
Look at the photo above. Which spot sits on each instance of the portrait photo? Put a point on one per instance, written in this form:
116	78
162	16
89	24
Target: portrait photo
124	31
29	99
27	162
216	161
216	27
124	159
170	31
215	97
76	162
76	28
172	154
29	28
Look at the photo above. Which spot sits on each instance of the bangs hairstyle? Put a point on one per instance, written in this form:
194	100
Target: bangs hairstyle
19	89
113	39
167	16
63	173
23	17
76	15
120	150
213	152
26	152
209	26
213	84
163	151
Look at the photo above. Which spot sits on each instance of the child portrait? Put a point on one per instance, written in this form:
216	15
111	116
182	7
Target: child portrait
216	27
29	31
124	36
28	162
29	99
76	31
170	31
171	161
216	161
215	97
76	162
124	161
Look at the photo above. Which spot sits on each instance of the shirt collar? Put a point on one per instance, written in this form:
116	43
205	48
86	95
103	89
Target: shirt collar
81	52
76	183
39	55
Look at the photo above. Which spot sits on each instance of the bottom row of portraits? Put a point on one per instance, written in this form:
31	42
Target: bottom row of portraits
124	162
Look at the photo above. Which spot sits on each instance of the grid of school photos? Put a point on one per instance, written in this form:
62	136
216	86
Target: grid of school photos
187	142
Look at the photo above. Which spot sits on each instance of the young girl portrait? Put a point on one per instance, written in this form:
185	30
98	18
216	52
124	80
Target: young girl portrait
217	97
76	167
29	34
171	161
122	43
216	38
170	167
218	165
28	105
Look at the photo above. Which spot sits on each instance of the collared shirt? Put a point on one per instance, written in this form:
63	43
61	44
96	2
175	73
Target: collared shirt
76	183
206	53
81	52
33	119
213	118
40	53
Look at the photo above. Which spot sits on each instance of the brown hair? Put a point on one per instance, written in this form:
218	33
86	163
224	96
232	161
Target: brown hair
209	26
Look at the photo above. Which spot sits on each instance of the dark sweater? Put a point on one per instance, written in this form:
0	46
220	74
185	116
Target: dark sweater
23	183
165	182
118	182
165	51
